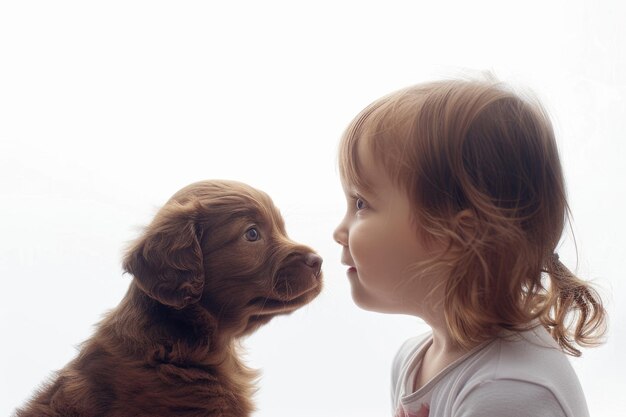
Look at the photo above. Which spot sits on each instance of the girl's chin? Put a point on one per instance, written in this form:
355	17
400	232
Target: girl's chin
368	301
361	297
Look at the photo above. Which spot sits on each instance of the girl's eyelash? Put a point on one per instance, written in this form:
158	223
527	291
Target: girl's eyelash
356	199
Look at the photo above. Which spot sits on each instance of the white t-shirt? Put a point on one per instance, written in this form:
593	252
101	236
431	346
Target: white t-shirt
521	375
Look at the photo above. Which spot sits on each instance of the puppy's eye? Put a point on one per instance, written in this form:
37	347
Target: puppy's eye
252	234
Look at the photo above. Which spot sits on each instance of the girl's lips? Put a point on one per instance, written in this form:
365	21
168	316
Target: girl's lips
352	269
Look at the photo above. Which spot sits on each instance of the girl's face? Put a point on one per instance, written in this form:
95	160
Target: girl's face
380	244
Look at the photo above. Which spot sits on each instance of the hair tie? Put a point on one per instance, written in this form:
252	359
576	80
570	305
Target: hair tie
554	260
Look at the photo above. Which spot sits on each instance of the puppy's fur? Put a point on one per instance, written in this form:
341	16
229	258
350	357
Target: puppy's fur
214	265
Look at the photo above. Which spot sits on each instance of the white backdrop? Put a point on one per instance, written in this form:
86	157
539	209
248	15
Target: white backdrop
108	108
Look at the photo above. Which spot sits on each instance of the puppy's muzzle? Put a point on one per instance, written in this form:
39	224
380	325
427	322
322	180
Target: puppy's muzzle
296	283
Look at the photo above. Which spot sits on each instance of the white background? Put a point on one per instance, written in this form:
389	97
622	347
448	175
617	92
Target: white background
108	108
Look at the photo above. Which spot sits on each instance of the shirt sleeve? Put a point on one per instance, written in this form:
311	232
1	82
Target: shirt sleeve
509	398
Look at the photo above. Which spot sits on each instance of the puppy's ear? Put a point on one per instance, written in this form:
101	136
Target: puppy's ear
167	260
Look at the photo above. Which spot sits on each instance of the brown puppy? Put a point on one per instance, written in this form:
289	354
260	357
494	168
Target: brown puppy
214	265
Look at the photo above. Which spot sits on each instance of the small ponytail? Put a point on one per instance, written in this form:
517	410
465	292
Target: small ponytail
567	295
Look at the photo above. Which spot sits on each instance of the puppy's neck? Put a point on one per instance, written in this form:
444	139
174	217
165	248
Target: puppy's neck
146	327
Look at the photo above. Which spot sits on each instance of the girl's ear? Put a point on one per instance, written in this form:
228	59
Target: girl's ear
167	261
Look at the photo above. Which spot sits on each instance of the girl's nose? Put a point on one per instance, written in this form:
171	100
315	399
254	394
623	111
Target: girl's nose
341	234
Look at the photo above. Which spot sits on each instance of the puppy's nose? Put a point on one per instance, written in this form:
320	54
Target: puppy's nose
314	261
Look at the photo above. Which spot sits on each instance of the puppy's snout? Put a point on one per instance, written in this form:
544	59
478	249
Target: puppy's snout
314	261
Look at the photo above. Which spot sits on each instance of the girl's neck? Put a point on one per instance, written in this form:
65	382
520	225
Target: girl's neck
440	354
443	344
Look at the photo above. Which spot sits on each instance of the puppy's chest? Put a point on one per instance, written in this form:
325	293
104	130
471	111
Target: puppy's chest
192	391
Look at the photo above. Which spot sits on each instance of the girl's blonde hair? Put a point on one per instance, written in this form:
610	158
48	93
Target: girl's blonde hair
481	168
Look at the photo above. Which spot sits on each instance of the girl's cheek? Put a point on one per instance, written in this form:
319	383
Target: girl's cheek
363	246
355	243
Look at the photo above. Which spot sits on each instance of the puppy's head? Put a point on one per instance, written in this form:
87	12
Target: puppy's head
222	245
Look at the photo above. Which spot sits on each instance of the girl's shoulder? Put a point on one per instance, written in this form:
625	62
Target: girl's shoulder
529	364
530	355
529	352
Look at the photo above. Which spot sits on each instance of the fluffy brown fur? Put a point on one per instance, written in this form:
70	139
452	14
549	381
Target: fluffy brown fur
214	265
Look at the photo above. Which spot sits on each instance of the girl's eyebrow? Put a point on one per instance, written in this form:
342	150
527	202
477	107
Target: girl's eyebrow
367	193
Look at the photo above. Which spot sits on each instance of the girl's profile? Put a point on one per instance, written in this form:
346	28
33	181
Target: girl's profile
456	204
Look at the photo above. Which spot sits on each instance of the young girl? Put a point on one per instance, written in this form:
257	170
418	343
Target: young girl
456	204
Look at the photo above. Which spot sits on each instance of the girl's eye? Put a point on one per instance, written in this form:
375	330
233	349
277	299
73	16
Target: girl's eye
252	234
360	204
